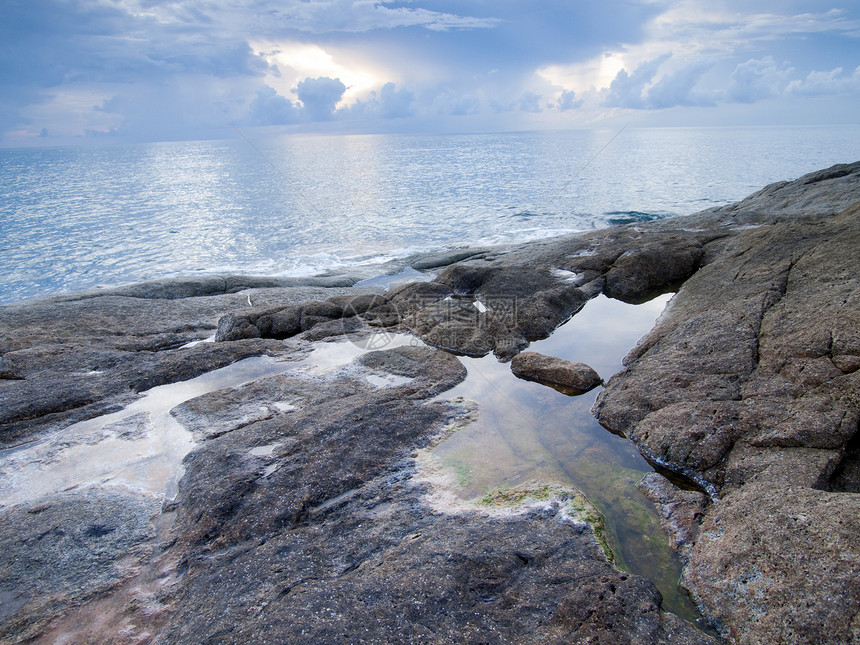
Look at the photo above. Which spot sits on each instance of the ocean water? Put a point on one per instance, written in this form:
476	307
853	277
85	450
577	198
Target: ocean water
78	217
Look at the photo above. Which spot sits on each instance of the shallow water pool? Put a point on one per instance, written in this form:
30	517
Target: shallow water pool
526	432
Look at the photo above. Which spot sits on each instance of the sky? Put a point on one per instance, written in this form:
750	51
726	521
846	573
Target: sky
151	70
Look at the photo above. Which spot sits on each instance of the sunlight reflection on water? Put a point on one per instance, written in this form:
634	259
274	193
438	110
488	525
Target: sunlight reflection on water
140	448
77	217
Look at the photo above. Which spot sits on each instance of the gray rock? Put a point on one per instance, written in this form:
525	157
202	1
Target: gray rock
65	550
478	310
748	388
443	259
568	377
639	274
377	566
681	511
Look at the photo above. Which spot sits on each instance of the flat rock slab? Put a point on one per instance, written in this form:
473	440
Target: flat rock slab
566	376
380	566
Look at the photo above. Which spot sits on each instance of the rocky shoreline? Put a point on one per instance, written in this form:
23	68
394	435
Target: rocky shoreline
299	517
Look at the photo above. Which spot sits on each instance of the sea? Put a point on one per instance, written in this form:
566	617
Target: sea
80	217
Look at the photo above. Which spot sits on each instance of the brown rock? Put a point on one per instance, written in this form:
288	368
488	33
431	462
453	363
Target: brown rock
680	510
748	388
779	565
572	378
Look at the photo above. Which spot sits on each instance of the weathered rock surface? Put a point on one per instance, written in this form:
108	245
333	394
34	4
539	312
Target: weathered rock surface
749	387
379	567
569	377
297	520
680	511
780	566
71	357
64	551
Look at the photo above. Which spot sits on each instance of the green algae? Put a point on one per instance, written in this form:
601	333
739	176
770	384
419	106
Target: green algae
581	509
575	506
517	496
463	475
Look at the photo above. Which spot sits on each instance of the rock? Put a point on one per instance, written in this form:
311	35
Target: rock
820	193
680	510
476	310
569	377
320	497
288	321
751	396
358	305
308	479
80	355
378	565
454	324
747	389
779	565
432	371
435	260
65	551
641	273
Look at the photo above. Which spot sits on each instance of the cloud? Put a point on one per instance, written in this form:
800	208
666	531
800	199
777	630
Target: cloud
829	83
530	102
679	88
164	69
356	16
568	101
705	27
648	89
451	103
270	108
394	103
319	96
628	90
758	79
388	103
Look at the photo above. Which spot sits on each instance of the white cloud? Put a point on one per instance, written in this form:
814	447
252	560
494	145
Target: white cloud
270	108
451	103
319	96
530	102
159	68
680	88
568	101
388	103
289	62
699	27
628	90
827	83
355	16
314	16
758	79
593	74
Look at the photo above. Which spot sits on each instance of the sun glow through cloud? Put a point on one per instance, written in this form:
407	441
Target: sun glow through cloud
147	70
291	63
594	74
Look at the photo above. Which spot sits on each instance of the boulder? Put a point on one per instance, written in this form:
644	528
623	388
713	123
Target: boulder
569	377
